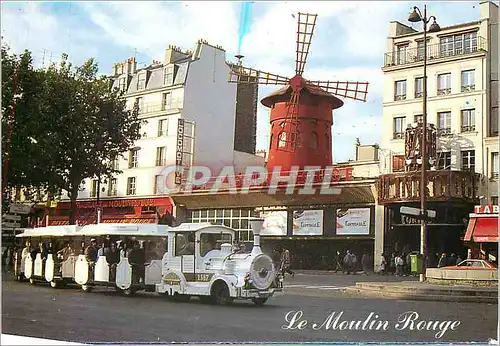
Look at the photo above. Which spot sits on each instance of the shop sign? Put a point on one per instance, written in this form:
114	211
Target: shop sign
307	222
179	151
486	209
275	223
354	221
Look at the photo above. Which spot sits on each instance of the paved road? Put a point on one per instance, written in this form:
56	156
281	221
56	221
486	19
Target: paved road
70	314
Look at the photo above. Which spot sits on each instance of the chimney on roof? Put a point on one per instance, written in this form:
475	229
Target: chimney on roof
174	54
131	66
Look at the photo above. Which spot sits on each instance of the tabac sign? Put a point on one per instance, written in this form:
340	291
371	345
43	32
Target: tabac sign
486	209
179	151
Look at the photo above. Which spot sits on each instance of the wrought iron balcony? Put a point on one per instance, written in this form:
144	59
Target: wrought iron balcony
468	88
155	107
434	51
442	185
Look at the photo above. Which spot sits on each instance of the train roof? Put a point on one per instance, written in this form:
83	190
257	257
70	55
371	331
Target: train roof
205	226
51	231
125	229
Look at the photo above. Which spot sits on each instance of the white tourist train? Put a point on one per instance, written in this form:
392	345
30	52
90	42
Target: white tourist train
193	259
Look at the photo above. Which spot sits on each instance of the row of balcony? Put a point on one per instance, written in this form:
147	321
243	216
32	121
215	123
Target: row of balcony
156	107
434	51
446	131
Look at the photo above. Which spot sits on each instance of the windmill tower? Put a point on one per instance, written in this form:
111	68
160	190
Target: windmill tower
301	113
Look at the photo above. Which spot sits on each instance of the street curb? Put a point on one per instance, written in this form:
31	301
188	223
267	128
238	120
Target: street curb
422	295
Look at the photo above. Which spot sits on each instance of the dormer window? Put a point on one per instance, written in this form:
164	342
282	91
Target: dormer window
168	75
141	81
122	84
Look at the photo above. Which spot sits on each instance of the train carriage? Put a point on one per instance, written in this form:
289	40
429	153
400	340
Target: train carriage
130	260
201	262
49	255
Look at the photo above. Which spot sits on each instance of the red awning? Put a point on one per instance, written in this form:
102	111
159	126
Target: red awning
482	230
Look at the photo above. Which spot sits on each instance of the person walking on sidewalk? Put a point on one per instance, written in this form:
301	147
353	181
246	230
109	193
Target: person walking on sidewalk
338	262
285	263
383	265
399	265
442	261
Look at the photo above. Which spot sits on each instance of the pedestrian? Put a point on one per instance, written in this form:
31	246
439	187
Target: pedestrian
442	261
365	262
383	265
348	262
459	259
338	262
8	259
392	264
452	260
285	263
399	265
91	252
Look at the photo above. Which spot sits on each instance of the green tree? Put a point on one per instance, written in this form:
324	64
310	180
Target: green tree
89	125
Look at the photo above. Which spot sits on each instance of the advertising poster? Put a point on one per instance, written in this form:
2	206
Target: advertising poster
354	221
275	223
308	222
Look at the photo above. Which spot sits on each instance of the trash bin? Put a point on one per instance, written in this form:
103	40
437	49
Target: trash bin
417	264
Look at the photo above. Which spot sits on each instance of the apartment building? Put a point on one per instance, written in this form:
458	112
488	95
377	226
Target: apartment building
191	118
462	89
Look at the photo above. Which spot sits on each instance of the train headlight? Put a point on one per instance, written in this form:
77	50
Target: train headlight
262	272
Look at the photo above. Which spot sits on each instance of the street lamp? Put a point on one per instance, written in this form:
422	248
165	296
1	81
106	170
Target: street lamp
415	17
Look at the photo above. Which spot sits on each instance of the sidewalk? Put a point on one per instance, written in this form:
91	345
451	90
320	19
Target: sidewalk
414	290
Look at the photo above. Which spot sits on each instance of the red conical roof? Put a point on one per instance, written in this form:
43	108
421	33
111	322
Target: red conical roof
283	95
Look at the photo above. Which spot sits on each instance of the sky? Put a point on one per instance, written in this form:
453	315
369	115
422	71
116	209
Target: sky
349	42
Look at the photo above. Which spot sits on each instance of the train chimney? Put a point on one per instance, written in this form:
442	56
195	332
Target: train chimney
256	228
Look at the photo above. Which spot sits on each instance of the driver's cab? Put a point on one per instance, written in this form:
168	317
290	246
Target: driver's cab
199	247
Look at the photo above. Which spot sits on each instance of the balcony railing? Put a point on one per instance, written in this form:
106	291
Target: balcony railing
154	107
444	91
434	51
468	128
445	131
442	185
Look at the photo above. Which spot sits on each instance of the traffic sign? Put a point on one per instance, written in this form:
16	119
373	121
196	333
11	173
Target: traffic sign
19	209
11	217
416	212
11	225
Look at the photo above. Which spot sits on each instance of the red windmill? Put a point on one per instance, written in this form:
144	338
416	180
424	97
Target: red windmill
301	112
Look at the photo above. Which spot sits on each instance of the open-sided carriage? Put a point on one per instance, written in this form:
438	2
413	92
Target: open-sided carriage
201	262
48	254
130	259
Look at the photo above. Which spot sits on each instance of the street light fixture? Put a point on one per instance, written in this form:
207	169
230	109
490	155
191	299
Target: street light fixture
415	17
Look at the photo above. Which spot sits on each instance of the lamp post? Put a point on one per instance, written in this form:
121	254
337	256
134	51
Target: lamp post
415	17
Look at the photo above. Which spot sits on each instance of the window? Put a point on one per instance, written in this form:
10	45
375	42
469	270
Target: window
213	241
419	118
419	87
115	163
444	84
168	76
313	140
458	44
420	50
494	200
141	81
133	158
162	127
444	160
160	156
235	217
166	101
131	186
398	163
282	140
184	243
93	188
401	54
122	84
468	80
400	90
139	103
112	187
494	165
468	122
444	123
399	127
468	160
159	186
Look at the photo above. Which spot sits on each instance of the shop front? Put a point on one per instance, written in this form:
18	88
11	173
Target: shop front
126	210
313	227
482	233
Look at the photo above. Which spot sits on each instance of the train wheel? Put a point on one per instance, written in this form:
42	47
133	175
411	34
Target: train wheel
32	281
221	294
86	288
259	301
54	284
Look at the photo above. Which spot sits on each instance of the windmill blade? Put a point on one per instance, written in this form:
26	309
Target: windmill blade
352	90
305	29
247	75
288	139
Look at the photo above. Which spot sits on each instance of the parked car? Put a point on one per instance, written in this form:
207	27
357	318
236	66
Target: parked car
475	264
